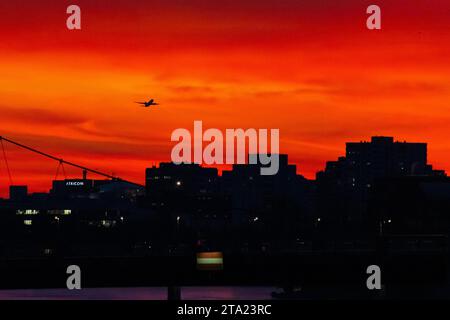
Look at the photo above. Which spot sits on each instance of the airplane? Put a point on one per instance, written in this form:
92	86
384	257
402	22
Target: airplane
148	103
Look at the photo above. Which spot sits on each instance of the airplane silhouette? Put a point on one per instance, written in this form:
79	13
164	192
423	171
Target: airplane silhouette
148	103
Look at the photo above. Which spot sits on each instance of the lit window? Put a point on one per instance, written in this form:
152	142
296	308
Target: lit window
28	212
108	223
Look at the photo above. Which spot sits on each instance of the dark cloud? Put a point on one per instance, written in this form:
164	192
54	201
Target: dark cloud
41	117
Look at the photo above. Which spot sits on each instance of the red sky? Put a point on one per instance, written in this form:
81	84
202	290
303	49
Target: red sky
310	68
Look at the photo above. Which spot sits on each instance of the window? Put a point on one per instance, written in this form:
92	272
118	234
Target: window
27	212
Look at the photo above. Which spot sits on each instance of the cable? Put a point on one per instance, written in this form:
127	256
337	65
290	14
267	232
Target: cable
69	163
63	170
57	171
6	162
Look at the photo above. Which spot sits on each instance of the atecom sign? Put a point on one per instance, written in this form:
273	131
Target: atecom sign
74	183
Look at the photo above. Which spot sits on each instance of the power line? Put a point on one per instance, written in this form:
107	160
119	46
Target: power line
61	166
62	162
6	162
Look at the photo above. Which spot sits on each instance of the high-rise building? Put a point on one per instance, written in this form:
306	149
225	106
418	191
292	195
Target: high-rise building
188	193
266	199
345	185
382	157
189	177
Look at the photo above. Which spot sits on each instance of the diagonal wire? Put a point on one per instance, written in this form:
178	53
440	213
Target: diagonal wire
63	170
6	162
57	171
68	162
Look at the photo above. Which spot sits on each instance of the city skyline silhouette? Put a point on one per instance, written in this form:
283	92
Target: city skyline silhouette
95	173
381	201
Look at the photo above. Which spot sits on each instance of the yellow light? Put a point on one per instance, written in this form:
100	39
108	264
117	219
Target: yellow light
27	212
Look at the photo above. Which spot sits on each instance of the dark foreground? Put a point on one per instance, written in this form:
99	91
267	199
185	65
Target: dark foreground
319	275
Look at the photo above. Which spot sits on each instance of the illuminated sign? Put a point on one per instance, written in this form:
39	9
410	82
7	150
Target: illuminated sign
74	183
211	261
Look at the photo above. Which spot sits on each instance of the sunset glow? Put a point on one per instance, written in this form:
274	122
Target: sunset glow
313	70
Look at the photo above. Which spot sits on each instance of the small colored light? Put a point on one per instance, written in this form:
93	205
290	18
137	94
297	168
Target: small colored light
211	261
